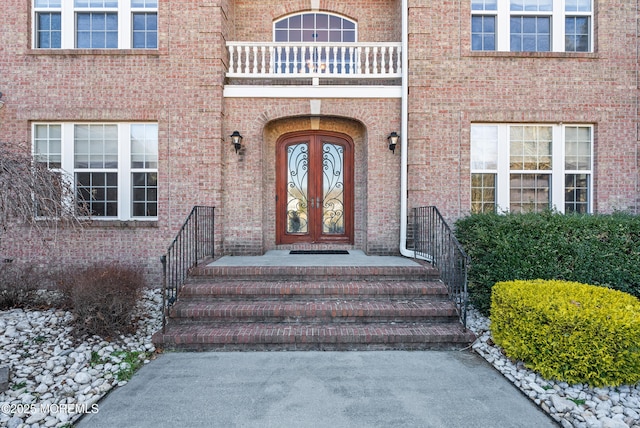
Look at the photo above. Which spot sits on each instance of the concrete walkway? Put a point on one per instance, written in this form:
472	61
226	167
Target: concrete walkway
318	389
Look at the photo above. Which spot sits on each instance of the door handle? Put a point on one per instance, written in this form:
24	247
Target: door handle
315	202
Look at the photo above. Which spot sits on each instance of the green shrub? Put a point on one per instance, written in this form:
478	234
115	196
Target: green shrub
569	331
591	249
102	299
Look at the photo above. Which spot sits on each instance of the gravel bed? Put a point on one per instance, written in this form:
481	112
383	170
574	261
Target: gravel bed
54	379
577	406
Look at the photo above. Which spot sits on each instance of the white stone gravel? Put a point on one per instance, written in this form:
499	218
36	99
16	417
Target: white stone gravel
577	406
53	380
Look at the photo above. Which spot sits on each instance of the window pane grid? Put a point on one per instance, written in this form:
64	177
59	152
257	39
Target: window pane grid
530	34
483	193
529	192
577	31
145	194
99	191
532	25
96	3
577	148
144	146
95	24
145	30
524	178
49	4
530	148
144	4
483	33
103	186
484	148
47	145
96	146
48	31
50	207
577	5
314	27
531	5
484	4
576	193
97	30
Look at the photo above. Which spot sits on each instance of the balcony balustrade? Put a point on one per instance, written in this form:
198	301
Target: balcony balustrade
314	60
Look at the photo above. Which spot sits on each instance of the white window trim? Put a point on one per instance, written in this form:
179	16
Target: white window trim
557	172
124	169
68	23
558	14
273	34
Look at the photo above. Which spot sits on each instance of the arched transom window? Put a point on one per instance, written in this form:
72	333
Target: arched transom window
314	27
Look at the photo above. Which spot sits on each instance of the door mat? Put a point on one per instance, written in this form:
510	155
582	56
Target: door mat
318	252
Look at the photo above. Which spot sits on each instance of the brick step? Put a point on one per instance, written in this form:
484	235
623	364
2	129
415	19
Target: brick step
313	307
266	336
329	311
231	290
314	273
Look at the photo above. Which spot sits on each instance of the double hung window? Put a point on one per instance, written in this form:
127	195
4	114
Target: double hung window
531	167
95	24
114	166
532	25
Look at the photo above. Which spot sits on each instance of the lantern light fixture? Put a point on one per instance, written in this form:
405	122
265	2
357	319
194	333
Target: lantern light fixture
393	141
236	140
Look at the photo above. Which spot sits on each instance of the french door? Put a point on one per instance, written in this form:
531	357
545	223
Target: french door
314	182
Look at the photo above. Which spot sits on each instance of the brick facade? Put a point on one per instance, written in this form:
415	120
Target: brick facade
180	87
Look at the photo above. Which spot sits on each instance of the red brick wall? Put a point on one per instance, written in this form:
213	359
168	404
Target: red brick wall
180	87
378	20
451	87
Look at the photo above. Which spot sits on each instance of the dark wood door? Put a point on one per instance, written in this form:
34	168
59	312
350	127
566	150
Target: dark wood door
314	182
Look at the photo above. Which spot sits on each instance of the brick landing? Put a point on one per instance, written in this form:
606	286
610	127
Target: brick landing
313	308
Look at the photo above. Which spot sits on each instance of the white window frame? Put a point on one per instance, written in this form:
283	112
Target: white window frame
557	15
124	168
315	12
68	20
558	171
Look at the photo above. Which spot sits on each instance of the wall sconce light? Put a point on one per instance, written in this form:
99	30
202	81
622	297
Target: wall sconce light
236	140
393	141
1	102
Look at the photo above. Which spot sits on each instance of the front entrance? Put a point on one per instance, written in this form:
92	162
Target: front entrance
314	182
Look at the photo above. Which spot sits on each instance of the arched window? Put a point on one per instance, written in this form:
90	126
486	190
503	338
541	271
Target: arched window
314	27
324	32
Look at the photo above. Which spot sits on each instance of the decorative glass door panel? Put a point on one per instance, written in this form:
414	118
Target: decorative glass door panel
332	189
314	200
297	188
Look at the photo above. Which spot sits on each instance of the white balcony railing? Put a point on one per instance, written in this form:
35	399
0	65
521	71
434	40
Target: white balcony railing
293	60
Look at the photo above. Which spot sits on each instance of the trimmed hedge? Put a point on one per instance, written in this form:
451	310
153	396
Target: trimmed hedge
569	331
592	249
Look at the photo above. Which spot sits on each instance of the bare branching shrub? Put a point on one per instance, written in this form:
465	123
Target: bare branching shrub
33	193
21	287
103	299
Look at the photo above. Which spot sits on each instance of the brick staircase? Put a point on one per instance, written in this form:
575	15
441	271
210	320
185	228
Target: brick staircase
313	308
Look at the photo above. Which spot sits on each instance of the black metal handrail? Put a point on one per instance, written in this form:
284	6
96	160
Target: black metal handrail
193	243
433	240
